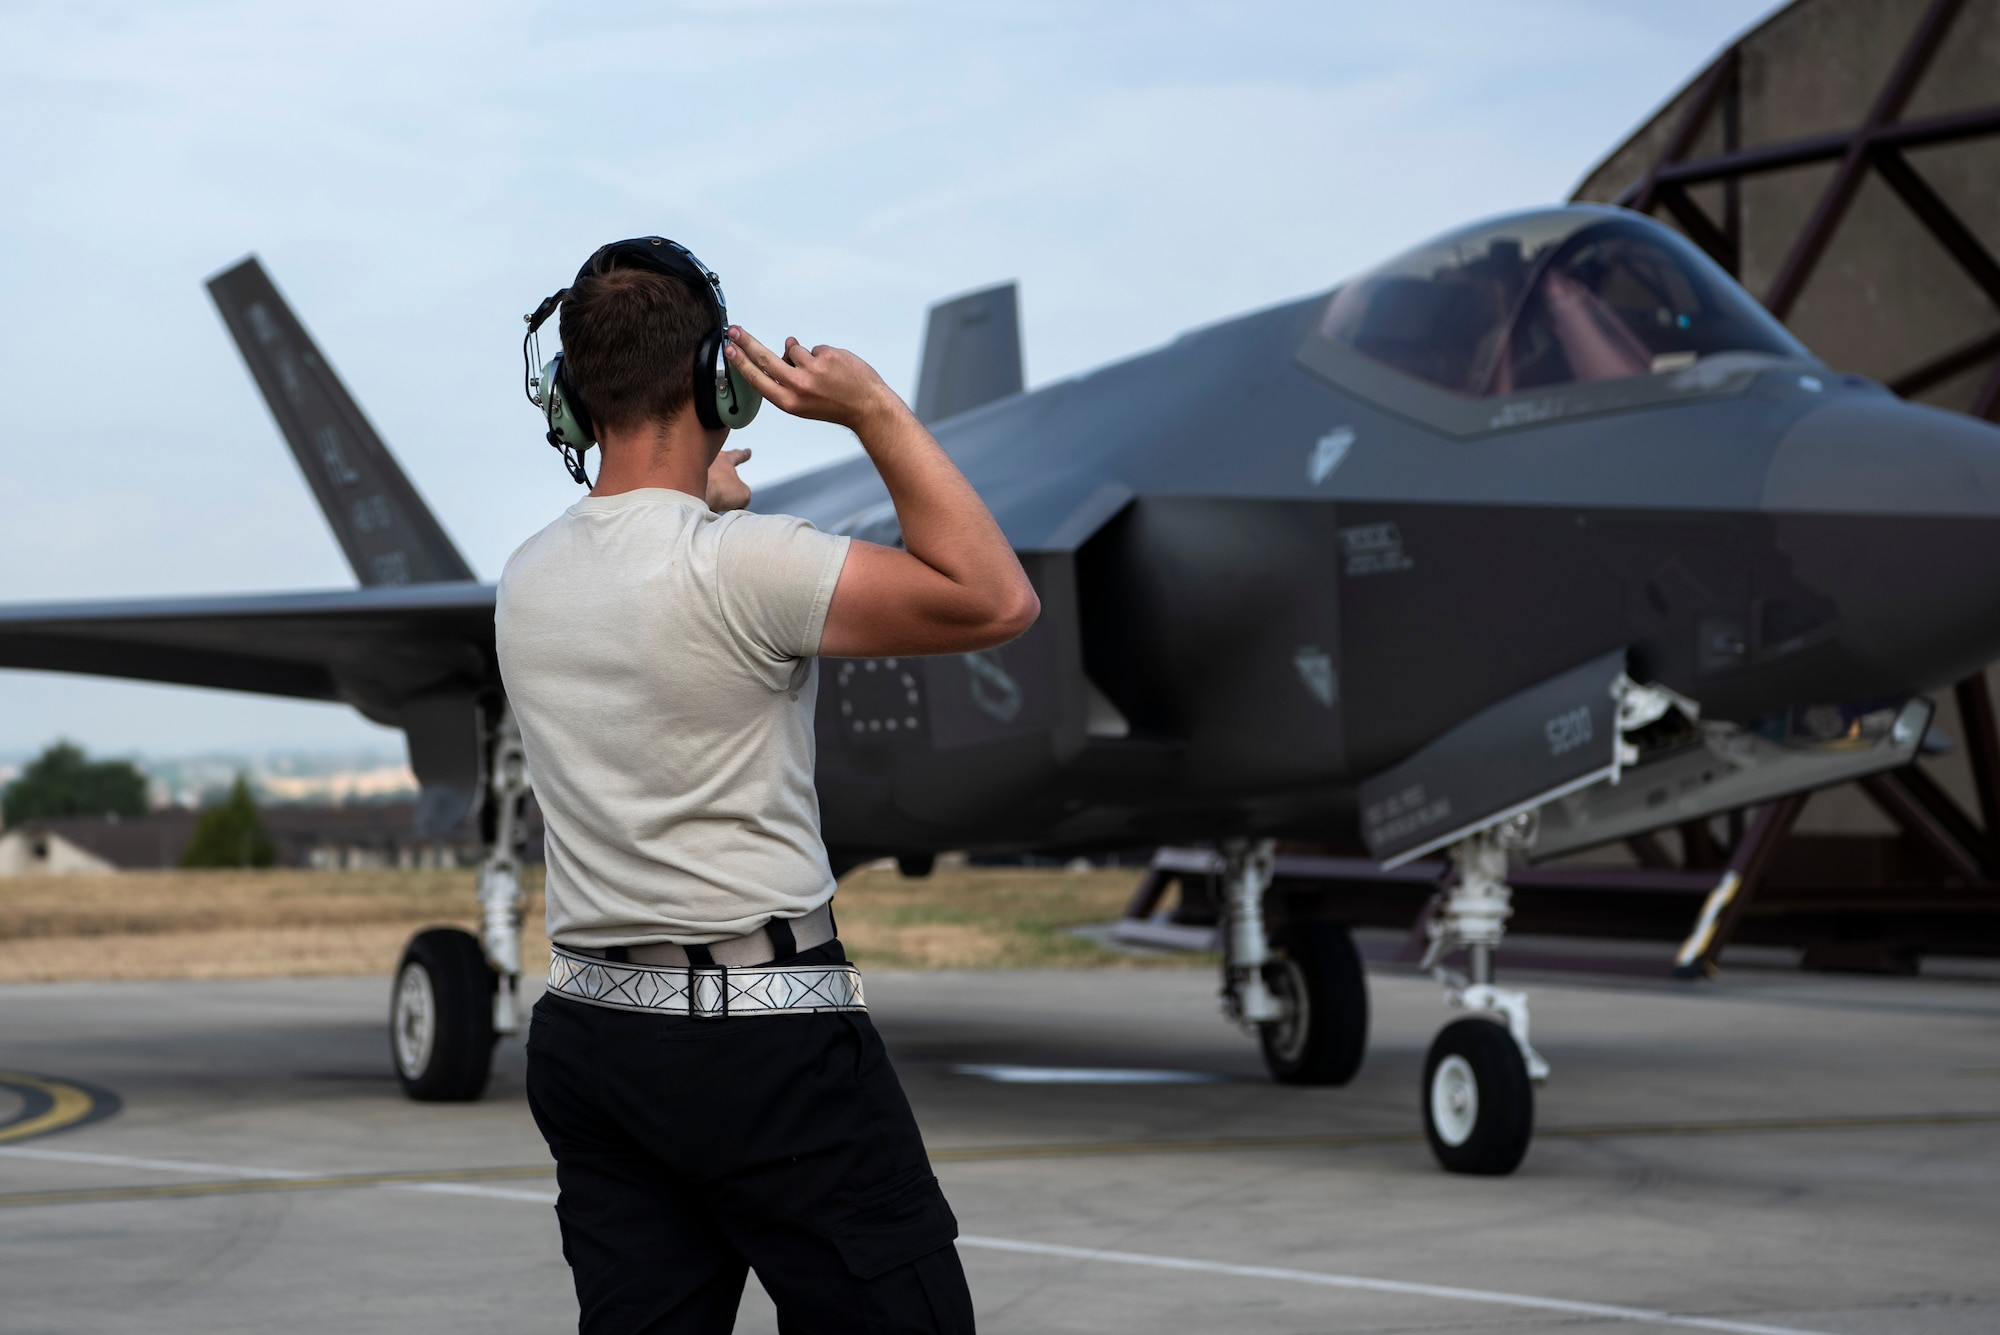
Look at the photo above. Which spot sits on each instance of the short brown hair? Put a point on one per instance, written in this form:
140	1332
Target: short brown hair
629	342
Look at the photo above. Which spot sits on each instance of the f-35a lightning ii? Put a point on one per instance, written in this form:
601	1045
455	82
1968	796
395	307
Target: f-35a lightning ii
1495	549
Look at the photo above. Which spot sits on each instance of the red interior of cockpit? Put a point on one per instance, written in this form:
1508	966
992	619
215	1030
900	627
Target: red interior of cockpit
1548	299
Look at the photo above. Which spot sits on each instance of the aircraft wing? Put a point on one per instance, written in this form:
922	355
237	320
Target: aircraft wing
418	657
377	649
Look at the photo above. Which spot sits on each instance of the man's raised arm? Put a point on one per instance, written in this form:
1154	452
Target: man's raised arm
956	586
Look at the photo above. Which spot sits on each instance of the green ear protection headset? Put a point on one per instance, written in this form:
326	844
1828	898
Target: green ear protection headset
721	397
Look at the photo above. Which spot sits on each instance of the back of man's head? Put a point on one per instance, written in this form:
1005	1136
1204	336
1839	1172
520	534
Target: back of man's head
629	340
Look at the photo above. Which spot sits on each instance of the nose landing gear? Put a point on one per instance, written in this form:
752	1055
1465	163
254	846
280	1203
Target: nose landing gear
1480	1074
1479	1102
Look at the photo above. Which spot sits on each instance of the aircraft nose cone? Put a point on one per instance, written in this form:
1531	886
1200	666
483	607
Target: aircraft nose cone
1878	455
1892	510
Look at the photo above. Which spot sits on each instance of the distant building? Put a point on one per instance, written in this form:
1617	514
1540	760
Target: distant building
326	838
31	852
352	838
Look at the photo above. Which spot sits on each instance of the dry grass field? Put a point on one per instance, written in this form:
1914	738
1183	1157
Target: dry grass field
286	923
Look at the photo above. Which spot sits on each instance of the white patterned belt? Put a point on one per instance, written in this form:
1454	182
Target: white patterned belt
714	994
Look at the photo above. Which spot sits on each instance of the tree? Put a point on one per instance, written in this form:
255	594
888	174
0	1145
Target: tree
62	781
231	835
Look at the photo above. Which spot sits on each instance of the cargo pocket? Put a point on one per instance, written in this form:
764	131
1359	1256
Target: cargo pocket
912	1221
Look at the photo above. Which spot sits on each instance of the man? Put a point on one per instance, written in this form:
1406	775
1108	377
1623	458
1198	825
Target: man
714	1095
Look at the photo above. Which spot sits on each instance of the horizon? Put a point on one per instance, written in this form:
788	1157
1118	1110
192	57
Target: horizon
278	777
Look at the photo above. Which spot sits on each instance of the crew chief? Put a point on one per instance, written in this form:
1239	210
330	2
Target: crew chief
658	644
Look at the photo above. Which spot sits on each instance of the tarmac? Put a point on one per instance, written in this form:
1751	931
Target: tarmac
1769	1151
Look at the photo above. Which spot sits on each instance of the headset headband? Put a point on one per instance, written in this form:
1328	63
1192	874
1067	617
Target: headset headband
656	253
661	256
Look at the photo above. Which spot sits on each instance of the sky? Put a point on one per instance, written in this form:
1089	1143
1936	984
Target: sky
416	176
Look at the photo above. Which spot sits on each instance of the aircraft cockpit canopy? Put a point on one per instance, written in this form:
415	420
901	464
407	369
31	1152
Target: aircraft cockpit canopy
1553	297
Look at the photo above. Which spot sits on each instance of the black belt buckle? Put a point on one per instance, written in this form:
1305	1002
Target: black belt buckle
702	965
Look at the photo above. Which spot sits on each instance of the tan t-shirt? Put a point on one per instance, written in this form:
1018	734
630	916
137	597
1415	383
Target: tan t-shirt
659	659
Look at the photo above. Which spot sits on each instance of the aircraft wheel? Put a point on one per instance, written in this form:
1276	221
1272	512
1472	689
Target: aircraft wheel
1479	1105
441	1017
1318	982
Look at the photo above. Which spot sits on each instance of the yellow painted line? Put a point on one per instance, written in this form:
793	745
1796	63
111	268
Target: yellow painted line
1085	1149
67	1105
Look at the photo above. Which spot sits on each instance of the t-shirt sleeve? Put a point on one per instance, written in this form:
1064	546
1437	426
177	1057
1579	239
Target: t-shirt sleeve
775	578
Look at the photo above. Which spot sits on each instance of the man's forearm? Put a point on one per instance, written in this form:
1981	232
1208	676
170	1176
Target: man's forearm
945	524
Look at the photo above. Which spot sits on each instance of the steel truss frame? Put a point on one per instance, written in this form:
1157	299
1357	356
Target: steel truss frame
1880	144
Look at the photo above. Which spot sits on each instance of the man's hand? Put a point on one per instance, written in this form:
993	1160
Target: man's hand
826	384
956	585
726	491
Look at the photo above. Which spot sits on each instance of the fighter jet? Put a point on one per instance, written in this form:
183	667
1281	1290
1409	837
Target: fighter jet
1539	536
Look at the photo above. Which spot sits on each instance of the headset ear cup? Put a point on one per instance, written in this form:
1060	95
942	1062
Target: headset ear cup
722	398
566	420
738	404
709	399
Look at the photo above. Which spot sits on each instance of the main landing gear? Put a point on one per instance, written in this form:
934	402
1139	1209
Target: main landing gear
1479	1078
455	993
441	1017
1301	987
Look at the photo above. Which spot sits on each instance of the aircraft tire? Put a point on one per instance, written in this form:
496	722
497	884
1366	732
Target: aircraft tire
1479	1104
441	1017
1317	978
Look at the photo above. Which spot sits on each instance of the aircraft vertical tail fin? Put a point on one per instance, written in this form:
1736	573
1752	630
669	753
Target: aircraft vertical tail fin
972	353
383	526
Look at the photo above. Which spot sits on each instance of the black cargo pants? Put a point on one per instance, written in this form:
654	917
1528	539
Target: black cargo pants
690	1151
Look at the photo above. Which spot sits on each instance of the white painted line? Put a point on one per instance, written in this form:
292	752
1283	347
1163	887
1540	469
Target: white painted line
1083	1075
200	1169
1321	1279
157	1165
473	1189
1635	1314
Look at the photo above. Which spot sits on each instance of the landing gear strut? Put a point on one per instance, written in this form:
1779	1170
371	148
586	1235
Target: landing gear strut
1479	1078
1246	875
501	902
455	993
